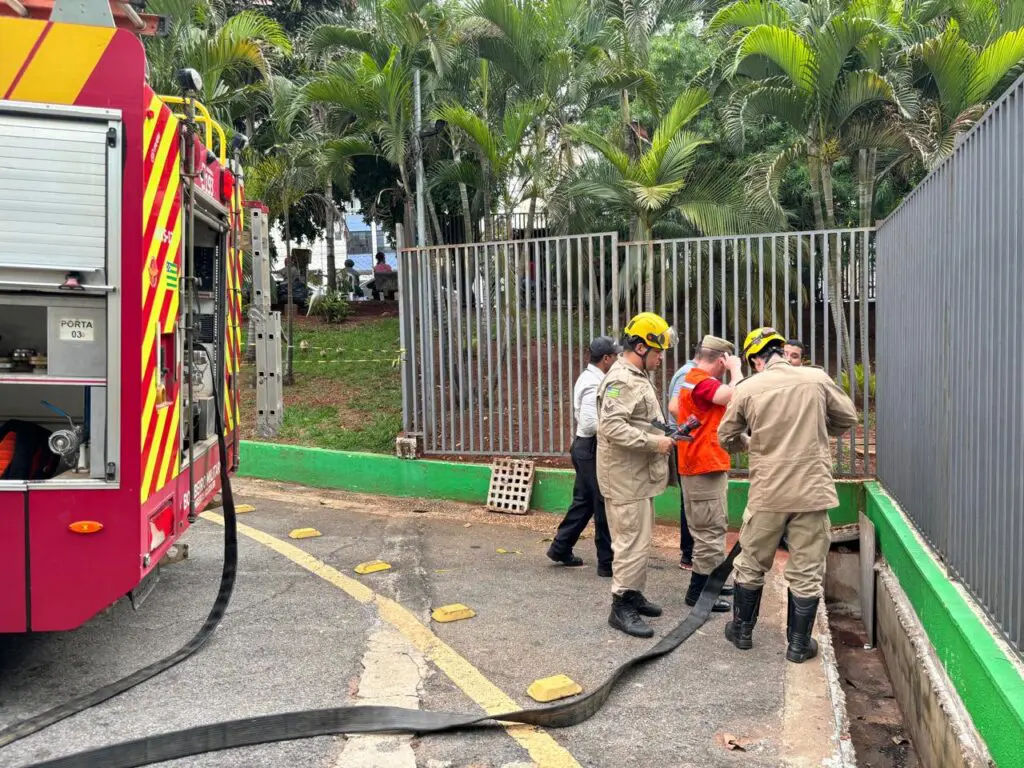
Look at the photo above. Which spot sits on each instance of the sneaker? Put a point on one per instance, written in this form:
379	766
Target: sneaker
686	561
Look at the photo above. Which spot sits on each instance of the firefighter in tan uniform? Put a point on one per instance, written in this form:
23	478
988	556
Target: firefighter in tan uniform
789	412
632	465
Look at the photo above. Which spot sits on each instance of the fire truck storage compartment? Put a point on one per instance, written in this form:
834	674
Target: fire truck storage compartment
53	369
54	180
60	243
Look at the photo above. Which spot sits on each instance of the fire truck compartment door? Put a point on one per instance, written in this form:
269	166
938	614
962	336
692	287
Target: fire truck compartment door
53	191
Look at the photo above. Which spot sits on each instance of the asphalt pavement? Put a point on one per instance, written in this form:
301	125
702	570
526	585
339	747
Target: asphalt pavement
305	633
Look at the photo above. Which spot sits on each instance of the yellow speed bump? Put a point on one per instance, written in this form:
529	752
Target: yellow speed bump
453	612
554	687
241	509
304	533
372	567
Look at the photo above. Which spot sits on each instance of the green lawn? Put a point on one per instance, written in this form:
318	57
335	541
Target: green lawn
347	393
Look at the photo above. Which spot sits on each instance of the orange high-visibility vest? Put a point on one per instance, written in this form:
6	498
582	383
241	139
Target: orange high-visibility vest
704	454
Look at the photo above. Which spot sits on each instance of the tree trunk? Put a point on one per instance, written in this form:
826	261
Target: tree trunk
332	269
467	214
537	155
814	171
834	282
412	236
627	133
438	236
289	376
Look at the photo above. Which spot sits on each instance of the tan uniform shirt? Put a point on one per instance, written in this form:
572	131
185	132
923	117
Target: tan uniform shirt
629	467
791	412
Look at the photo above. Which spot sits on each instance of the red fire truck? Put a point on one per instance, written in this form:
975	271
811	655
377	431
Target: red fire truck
120	292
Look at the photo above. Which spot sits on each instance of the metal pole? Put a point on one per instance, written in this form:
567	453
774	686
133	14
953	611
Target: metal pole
421	227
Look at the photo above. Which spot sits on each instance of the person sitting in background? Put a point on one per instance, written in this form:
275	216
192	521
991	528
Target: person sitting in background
350	279
381	266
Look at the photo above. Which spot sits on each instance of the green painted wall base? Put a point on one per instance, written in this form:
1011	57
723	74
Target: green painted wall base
990	685
421	478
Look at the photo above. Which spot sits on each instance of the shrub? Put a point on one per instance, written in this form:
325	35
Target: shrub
331	307
858	371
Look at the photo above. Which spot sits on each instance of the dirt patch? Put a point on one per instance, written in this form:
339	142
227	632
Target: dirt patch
876	720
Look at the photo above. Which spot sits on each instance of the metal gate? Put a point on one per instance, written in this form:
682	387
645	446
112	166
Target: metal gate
496	333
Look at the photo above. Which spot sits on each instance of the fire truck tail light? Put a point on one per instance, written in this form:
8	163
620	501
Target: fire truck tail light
227	185
85	526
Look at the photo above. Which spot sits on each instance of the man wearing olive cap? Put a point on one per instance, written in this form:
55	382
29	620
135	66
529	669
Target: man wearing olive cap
587	501
703	465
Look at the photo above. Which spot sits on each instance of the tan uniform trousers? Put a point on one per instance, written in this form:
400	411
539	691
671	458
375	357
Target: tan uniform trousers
632	525
809	535
706	500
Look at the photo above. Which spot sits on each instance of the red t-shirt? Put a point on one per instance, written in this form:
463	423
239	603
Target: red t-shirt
704	393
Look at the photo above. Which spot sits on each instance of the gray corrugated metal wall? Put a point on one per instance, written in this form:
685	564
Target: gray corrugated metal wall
950	357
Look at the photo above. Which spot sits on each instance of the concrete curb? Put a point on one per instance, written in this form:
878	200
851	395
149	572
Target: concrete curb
469	482
845	755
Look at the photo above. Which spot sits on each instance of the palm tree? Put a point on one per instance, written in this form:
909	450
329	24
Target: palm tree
814	73
665	180
959	78
233	55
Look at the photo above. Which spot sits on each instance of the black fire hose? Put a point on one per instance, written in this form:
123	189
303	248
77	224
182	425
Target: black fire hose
227	584
287	726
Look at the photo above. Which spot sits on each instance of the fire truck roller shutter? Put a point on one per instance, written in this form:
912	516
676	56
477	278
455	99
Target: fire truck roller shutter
53	192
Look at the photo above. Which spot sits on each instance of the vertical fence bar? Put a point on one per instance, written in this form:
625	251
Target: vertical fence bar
432	360
551	368
480	284
775	322
851	353
541	380
760	281
800	291
489	341
559	399
748	258
531	380
449	356
785	281
580	363
616	325
737	340
565	396
865	308
520	394
686	295
711	286
509	293
590	287
671	322
700	298
675	307
812	257
724	295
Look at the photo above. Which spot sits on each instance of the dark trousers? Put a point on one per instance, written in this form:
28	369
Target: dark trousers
587	502
685	538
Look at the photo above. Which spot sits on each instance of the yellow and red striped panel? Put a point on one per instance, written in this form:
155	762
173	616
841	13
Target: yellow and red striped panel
45	62
232	329
161	243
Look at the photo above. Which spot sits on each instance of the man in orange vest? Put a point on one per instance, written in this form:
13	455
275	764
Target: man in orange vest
703	465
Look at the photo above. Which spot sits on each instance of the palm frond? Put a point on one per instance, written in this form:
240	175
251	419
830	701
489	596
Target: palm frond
785	48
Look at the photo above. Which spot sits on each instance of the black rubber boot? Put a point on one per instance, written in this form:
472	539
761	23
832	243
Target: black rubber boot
625	617
802	613
604	571
697	582
746	606
643	606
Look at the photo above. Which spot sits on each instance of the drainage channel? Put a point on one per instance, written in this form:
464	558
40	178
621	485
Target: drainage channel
877	725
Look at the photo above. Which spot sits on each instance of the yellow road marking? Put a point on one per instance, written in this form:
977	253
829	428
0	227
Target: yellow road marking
542	748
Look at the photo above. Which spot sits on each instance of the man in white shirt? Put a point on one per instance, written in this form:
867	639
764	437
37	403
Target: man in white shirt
587	501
